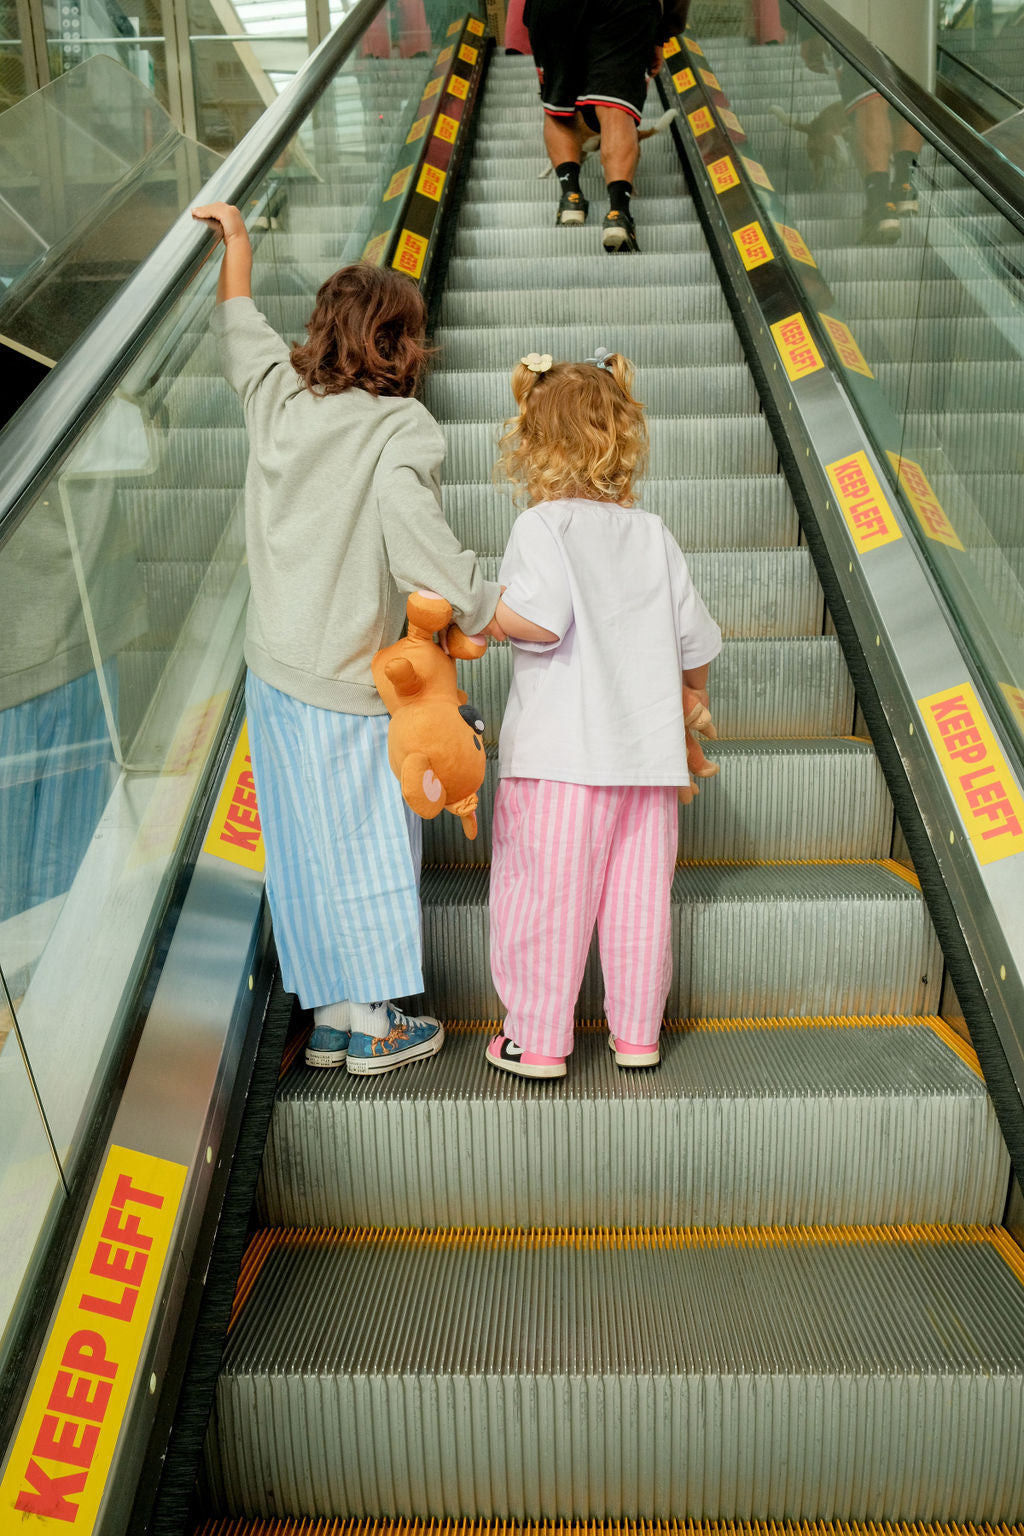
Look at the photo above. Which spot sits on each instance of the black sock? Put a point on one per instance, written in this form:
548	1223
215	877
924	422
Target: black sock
876	188
568	174
619	193
903	163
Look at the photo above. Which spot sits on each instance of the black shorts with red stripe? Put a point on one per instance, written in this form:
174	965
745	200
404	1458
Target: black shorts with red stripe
592	53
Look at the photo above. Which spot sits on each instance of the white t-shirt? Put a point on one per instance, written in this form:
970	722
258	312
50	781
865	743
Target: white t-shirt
603	703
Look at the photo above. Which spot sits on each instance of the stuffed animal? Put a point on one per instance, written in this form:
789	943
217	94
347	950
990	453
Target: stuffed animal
696	718
435	740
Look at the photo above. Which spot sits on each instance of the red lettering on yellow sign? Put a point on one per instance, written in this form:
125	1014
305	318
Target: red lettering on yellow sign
732	122
373	250
234	832
417	130
757	173
671	48
723	175
432	87
795	245
410	253
752	244
862	501
446	128
446	53
458	87
709	80
987	796
693	46
683	81
927	507
467	54
847	350
1015	698
453	27
431	182
476	26
796	347
61	1457
398	183
700	121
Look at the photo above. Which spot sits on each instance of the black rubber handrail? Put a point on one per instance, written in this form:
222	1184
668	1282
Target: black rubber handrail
971	69
970	155
42	434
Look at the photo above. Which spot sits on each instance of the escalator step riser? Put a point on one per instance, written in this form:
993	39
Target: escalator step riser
574	1381
692	447
591	269
794	687
821	1105
175	524
747	811
752	512
747	943
495	214
531	191
542	240
707	391
649	346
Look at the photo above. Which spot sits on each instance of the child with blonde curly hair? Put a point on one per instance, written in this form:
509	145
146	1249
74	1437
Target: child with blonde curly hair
606	626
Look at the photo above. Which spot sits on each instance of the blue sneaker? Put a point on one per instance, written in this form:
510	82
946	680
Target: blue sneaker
408	1039
327	1047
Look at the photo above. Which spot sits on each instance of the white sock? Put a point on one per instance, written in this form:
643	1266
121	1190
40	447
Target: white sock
332	1016
370	1019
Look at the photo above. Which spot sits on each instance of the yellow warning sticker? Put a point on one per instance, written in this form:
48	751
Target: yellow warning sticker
796	347
458	87
398	183
417	130
795	245
431	182
410	253
432	87
757	173
700	121
235	833
709	80
683	81
446	128
847	350
467	54
990	804
753	245
446	53
453	27
671	48
927	507
694	47
1015	699
60	1462
373	250
723	175
868	515
476	26
732	122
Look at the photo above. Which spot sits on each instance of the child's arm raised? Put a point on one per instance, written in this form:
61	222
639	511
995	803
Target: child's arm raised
235	280
517	628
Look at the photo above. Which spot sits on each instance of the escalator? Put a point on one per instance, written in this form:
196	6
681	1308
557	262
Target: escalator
769	1281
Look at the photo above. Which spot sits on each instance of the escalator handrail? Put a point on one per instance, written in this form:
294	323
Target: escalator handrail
45	430
1000	183
971	69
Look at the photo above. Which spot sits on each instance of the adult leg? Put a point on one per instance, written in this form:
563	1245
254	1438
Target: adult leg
620	50
873	133
906	148
620	146
634	921
552	28
546	874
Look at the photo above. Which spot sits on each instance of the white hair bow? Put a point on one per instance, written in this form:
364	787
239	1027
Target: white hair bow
537	362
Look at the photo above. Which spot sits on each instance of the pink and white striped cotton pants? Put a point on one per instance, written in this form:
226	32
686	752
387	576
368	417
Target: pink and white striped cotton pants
564	857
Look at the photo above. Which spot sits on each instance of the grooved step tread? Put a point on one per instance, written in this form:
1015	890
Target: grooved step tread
460	1527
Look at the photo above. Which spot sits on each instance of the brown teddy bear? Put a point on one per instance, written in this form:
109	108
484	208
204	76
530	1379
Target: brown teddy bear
435	740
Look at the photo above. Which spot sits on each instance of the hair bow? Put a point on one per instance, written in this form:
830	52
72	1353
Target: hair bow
600	358
537	362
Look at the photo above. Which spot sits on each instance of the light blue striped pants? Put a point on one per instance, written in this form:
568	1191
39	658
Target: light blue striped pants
343	855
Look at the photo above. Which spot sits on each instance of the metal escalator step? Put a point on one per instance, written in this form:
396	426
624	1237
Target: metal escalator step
493	213
978	387
749	940
725	390
587	269
714	341
342	1526
897	298
177	523
665	1373
862	1121
993	441
654	184
695	446
747	811
751	511
636	303
541	241
797	686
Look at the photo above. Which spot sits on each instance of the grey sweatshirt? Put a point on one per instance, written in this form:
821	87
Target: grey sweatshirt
343	518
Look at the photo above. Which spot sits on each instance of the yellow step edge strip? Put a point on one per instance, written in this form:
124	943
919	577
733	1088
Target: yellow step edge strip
610	1238
313	1525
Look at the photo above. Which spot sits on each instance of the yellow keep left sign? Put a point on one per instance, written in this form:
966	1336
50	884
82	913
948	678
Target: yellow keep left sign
235	833
987	797
62	1454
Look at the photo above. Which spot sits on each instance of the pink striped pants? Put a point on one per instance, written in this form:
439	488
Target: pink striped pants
564	857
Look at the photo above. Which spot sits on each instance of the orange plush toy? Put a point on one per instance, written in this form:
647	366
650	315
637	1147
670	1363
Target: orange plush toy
696	718
435	740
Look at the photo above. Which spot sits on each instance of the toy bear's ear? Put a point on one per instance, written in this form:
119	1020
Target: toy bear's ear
462	696
423	790
401	673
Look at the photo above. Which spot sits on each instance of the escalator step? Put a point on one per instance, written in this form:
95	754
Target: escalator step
807	1373
637	303
715	342
696	446
749	940
745	1122
746	812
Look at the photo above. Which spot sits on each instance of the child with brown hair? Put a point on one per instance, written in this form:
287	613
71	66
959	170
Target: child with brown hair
607	627
343	518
